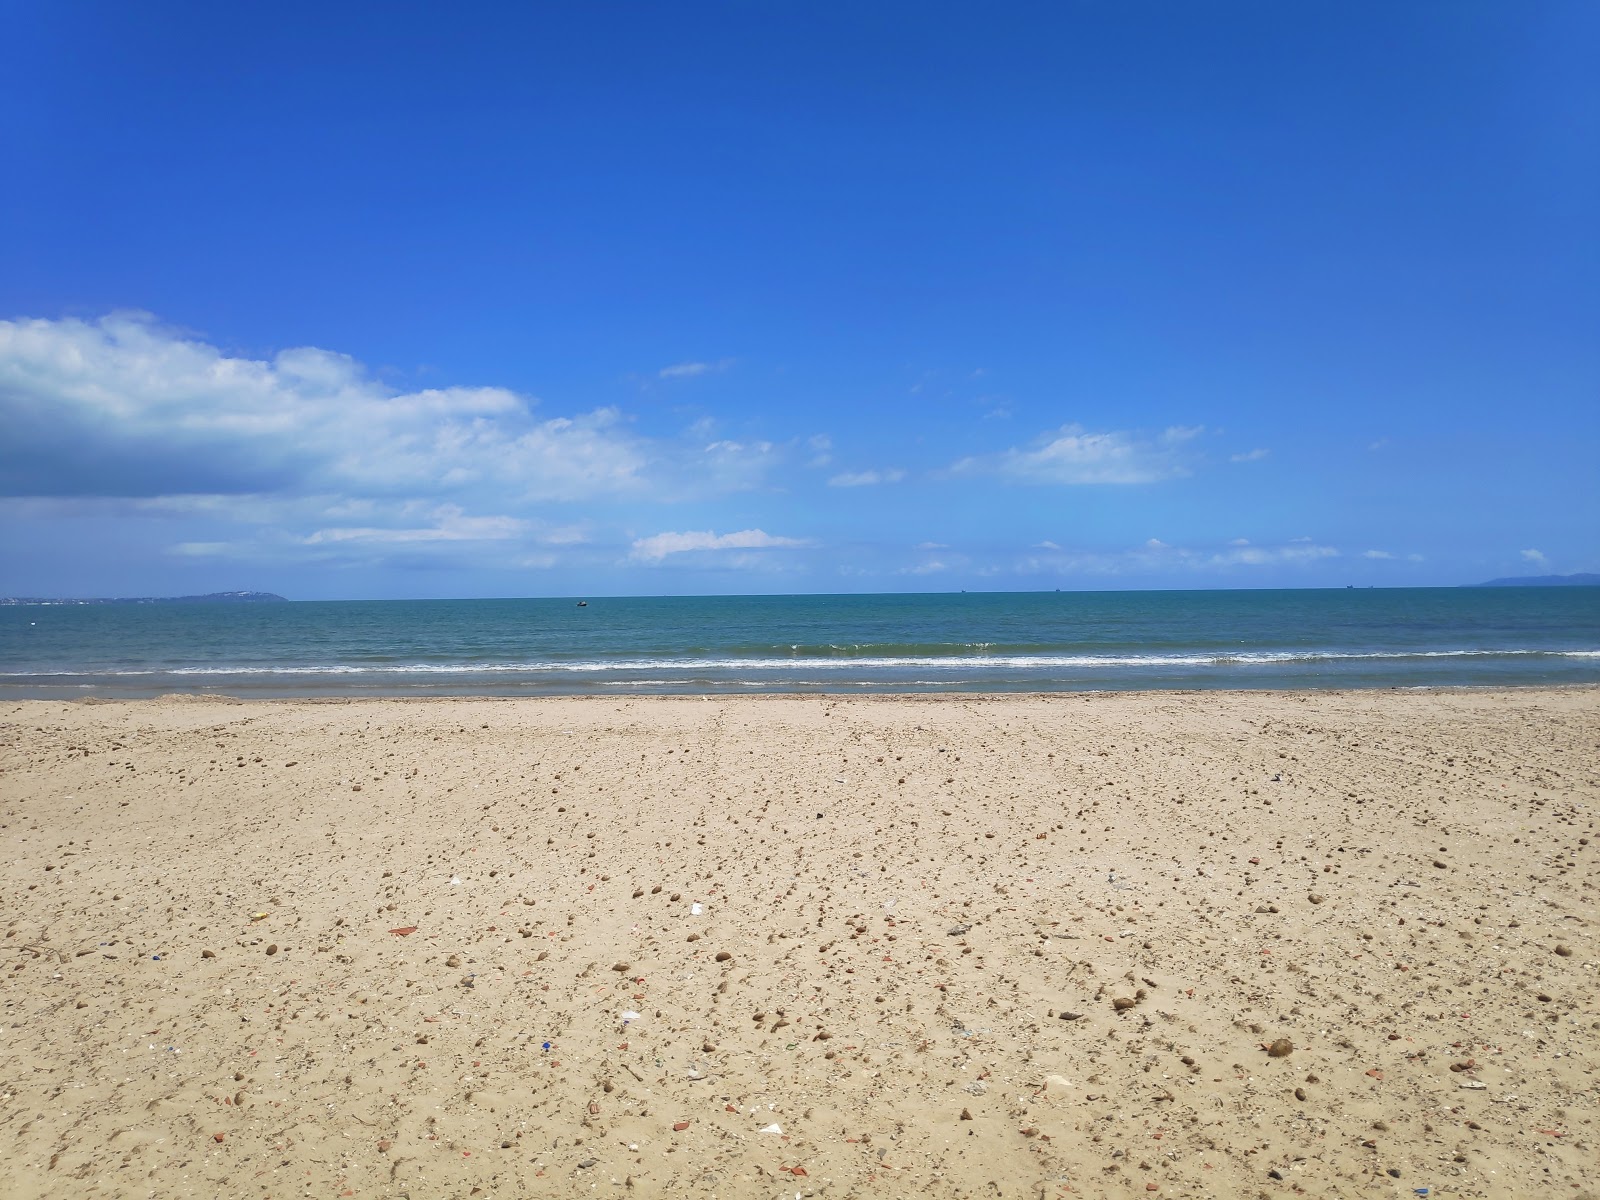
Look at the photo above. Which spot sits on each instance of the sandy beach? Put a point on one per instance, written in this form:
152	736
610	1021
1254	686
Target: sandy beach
1239	944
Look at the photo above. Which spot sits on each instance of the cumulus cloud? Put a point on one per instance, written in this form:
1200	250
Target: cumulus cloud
1074	455
1536	557
867	478
126	407
306	456
658	546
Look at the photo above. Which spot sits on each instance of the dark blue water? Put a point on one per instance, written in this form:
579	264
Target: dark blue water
1031	641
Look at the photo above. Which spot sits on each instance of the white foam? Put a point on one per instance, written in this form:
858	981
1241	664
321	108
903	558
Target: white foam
963	663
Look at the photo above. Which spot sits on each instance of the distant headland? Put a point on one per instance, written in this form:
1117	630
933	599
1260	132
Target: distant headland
208	598
1582	579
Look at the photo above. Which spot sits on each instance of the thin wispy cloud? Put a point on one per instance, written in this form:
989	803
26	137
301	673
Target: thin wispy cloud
449	529
1072	455
1156	555
200	549
1250	456
689	370
867	478
659	546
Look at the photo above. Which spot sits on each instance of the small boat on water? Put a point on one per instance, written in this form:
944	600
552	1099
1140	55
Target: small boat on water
583	604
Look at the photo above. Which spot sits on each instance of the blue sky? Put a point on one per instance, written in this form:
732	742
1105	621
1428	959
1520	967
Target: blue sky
358	300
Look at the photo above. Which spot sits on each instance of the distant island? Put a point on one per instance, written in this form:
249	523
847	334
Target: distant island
208	598
1582	579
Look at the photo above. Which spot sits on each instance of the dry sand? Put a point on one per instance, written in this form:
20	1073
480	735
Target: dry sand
956	946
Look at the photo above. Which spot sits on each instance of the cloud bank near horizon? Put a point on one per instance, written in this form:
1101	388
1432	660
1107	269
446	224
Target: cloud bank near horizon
305	459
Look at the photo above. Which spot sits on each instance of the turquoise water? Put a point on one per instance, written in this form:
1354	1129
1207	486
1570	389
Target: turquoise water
1029	641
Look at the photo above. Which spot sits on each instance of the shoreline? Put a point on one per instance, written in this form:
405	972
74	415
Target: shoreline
1422	689
883	692
920	917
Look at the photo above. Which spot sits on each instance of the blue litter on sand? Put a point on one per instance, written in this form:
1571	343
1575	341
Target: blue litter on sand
547	1045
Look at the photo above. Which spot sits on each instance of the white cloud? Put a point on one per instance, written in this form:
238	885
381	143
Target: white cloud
927	568
1266	556
729	466
126	407
322	461
1250	456
688	370
451	525
1073	455
932	546
1376	554
1156	555
1046	545
1536	557
658	546
821	447
867	478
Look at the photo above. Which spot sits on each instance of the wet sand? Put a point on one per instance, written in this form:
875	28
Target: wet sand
1094	945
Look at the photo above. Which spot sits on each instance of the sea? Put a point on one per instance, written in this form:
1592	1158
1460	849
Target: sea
852	644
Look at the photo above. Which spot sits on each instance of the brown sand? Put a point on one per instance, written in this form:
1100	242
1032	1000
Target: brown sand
957	946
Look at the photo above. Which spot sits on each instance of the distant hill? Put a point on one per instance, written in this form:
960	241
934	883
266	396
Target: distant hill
209	598
1583	579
